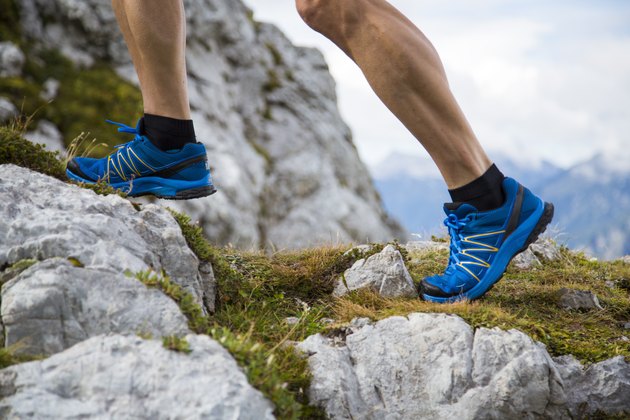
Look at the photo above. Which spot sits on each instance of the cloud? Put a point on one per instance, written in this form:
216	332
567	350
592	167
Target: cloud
543	80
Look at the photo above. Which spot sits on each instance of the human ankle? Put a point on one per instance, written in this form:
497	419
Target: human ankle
168	133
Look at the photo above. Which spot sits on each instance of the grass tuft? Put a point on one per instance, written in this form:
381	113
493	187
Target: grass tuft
177	344
526	300
15	149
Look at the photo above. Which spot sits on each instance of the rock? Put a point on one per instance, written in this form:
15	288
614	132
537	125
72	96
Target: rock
11	60
128	377
51	89
526	260
384	272
48	134
292	320
543	250
53	305
546	249
604	387
626	259
422	246
610	284
7	110
433	366
359	250
43	218
626	325
287	170
577	299
208	285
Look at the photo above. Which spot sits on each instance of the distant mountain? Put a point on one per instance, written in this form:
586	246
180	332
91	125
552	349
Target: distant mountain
592	199
593	205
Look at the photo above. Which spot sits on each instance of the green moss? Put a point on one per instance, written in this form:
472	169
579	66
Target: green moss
275	54
193	312
103	188
267	113
526	300
75	262
10	21
277	371
178	344
23	264
9	358
86	97
256	294
17	150
272	83
10	272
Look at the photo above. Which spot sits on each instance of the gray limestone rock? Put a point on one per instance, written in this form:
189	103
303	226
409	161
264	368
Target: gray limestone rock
43	218
543	250
526	260
433	366
54	305
7	110
384	272
128	377
422	246
287	170
603	387
11	60
48	134
578	299
546	249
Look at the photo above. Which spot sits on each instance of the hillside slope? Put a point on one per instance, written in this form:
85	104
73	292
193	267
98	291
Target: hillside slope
284	162
109	291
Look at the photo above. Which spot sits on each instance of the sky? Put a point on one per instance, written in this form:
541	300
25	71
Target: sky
538	80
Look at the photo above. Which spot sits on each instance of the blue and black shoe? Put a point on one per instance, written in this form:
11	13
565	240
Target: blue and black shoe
139	168
484	243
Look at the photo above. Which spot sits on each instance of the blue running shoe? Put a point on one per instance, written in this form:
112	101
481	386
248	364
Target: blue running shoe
484	243
139	168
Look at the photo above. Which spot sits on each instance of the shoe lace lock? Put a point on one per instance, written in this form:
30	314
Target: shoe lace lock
455	225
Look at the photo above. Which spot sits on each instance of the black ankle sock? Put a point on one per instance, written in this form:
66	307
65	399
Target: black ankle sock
485	192
168	133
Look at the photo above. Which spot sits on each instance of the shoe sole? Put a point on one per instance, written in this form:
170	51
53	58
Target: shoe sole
498	268
190	194
167	189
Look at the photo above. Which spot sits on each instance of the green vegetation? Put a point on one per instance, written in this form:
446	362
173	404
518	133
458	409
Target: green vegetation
19	151
86	97
257	292
9	358
272	83
9	21
277	371
178	344
526	300
75	262
275	54
15	149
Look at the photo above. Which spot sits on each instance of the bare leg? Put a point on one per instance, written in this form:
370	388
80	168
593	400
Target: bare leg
405	71
155	33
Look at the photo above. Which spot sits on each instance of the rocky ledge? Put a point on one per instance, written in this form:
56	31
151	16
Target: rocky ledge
67	263
436	366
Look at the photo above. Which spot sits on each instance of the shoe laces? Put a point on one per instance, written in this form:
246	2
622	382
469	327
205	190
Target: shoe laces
455	226
122	154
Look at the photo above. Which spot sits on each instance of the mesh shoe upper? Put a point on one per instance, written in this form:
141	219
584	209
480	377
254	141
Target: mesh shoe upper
140	158
476	238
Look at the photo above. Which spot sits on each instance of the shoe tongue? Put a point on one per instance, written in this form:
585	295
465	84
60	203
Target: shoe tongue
460	210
